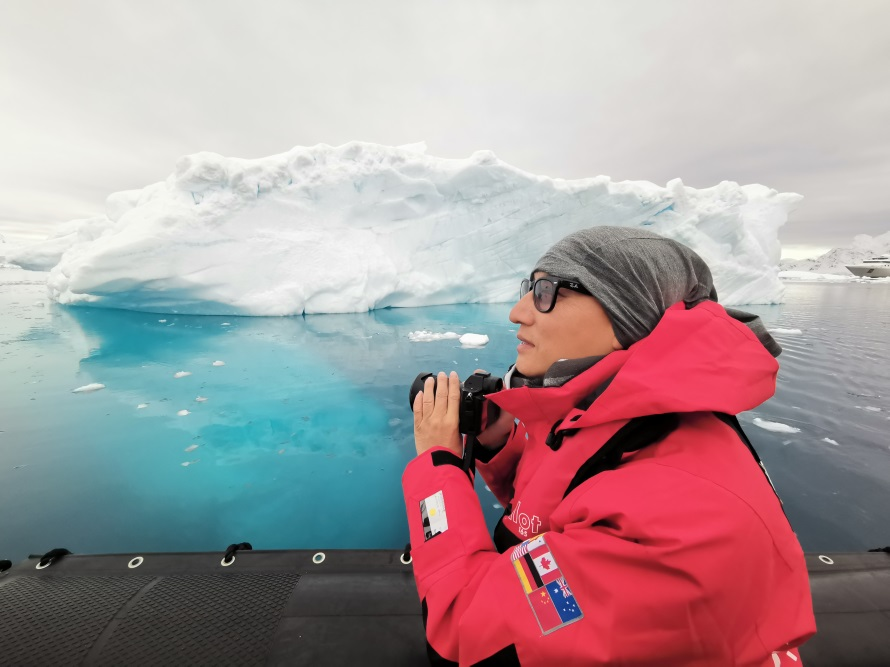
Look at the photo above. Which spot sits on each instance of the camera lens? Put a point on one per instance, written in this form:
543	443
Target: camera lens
417	387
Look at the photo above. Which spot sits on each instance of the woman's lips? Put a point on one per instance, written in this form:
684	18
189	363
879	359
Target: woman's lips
523	345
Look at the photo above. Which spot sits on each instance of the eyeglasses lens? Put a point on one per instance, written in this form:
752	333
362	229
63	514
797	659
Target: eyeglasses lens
524	287
544	293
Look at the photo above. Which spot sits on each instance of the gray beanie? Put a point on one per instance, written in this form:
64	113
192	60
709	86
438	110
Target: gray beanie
636	276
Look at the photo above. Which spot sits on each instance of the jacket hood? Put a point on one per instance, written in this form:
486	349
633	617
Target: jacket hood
695	360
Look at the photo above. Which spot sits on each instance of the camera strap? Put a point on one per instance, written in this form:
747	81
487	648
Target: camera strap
469	463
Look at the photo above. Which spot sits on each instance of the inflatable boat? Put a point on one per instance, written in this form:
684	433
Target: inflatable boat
338	607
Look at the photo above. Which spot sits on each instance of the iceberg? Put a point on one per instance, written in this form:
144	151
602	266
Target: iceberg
363	226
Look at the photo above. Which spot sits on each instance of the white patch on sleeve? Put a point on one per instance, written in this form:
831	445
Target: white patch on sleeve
432	512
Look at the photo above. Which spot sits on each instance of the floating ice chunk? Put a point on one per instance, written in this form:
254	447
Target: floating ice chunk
186	464
162	321
191	448
200	399
142	406
219	363
497	506
281	451
181	374
830	441
183	413
95	386
775	427
474	340
395	421
225	324
870	408
786	332
429	336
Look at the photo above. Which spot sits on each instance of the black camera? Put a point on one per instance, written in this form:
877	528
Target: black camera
475	411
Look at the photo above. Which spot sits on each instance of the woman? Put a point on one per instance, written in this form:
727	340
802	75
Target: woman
639	527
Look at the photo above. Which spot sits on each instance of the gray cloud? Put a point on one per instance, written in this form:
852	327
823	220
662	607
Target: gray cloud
97	97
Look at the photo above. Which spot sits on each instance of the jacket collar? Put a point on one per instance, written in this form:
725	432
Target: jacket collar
699	359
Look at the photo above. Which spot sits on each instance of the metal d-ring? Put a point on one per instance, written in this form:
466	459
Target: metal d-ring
318	558
826	560
135	562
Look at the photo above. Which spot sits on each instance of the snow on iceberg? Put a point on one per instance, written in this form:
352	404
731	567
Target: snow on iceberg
364	226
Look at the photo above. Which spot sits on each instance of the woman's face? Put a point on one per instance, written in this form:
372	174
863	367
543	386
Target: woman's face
576	327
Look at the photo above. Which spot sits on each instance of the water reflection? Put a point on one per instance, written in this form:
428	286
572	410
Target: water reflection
300	442
305	430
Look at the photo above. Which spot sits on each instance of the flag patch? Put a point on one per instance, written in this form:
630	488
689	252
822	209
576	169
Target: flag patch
548	593
432	513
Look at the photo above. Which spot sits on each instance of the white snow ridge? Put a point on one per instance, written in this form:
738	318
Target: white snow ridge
362	226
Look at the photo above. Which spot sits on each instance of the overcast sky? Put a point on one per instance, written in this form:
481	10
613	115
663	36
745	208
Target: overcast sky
97	97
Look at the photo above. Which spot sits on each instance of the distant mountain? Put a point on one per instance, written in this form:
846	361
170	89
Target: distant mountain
836	259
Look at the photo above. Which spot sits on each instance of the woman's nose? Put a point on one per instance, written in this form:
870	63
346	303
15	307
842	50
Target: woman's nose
523	311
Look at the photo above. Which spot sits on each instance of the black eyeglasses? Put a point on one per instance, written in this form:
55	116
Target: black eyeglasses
544	290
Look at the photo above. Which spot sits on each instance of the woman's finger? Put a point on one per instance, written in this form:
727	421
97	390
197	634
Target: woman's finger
454	393
417	407
429	397
441	407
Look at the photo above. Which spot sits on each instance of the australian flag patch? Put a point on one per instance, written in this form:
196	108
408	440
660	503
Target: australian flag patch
548	593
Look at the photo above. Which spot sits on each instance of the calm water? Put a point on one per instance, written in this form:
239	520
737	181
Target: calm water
305	431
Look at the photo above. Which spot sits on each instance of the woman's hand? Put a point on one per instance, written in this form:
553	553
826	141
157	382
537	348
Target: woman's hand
437	413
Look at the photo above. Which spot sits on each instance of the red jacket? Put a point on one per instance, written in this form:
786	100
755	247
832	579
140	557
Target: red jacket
679	556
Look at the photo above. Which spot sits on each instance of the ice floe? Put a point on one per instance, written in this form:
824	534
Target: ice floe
181	374
775	427
473	340
219	363
94	386
429	336
183	413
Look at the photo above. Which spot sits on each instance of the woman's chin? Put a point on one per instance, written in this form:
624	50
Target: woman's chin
528	369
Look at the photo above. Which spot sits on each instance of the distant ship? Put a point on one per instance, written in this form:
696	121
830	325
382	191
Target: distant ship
876	267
